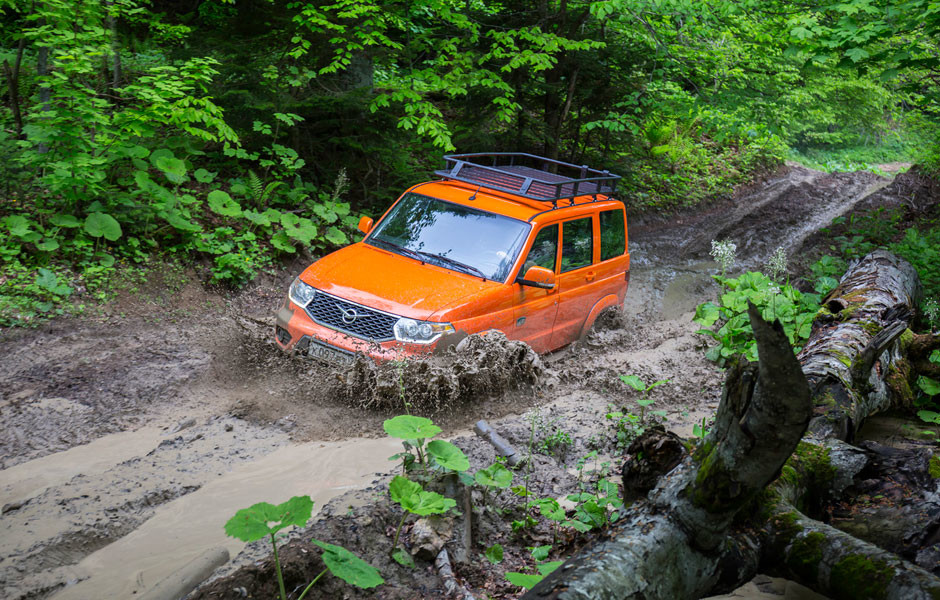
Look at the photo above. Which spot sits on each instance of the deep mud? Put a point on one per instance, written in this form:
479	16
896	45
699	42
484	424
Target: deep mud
128	439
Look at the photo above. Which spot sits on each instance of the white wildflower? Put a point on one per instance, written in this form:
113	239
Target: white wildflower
777	265
932	312
724	254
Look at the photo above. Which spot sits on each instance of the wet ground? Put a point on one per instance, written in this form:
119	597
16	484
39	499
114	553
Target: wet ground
129	439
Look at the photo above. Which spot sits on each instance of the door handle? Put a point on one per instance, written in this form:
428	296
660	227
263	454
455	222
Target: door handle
589	276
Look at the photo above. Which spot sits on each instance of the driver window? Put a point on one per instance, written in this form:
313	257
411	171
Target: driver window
577	249
544	250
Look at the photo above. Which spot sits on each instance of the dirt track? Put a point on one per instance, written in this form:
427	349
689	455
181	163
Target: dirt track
128	440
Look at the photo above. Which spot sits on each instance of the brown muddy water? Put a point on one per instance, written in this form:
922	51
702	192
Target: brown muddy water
128	439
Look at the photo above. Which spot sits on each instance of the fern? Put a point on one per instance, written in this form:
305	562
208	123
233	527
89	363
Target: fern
267	192
256	186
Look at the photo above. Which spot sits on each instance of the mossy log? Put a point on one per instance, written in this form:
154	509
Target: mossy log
714	520
855	358
671	545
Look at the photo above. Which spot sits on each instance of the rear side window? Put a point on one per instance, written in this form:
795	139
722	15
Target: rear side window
544	250
613	240
577	246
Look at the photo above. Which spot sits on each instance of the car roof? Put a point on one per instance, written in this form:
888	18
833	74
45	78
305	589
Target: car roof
517	207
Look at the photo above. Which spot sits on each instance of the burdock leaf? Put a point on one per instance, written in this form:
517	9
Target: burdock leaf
349	567
448	455
495	475
262	519
102	225
407	427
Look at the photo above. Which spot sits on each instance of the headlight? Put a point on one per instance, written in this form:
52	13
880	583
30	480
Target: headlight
300	293
420	332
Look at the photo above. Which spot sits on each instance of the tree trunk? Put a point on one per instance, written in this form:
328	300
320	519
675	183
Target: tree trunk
853	361
13	85
709	525
669	546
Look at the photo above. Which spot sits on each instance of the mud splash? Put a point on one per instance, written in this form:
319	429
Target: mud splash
481	365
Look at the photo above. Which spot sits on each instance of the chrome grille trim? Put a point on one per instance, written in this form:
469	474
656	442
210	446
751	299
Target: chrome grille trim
369	323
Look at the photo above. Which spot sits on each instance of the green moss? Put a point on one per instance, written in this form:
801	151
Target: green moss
841	357
898	383
849	311
934	467
871	328
805	554
905	339
808	469
860	577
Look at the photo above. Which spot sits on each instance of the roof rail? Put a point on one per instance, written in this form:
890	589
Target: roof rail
548	181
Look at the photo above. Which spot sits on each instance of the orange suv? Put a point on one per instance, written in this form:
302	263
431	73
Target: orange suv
533	247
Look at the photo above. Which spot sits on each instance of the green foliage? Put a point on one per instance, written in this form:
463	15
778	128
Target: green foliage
494	554
265	520
495	476
349	567
730	323
922	249
253	523
414	431
528	581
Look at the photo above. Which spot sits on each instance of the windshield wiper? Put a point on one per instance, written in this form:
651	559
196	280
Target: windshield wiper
455	263
418	256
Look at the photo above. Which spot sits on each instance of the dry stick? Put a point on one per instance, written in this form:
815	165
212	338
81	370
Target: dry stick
503	447
451	585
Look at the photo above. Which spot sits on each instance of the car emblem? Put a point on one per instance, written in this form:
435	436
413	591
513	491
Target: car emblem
349	314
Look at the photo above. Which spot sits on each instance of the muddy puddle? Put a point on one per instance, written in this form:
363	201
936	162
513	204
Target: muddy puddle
128	441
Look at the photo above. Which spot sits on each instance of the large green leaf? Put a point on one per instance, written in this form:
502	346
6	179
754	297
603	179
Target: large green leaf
262	519
173	168
47	245
524	580
349	567
634	382
448	455
416	500
221	203
929	386
48	281
102	225
18	225
494	554
68	221
408	427
204	176
335	236
495	475
280	241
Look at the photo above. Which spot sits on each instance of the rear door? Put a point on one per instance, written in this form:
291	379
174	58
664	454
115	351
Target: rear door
535	308
578	286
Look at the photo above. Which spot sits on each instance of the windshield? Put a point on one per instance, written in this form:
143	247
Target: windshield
453	236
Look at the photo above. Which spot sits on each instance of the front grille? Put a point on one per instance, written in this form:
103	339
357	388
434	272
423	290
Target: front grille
368	324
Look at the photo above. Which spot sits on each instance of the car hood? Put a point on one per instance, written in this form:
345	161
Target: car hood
390	282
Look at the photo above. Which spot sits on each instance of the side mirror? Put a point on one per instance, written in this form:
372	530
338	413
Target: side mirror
539	277
365	224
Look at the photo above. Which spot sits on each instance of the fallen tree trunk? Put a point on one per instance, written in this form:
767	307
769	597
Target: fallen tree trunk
853	361
668	547
710	524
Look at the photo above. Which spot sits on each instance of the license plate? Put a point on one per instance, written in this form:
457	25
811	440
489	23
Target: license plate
329	354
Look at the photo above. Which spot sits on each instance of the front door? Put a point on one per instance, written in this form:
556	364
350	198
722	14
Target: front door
578	288
534	308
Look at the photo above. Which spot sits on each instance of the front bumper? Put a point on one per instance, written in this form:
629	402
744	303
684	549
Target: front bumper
295	330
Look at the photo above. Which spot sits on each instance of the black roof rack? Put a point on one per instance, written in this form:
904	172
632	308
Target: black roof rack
527	175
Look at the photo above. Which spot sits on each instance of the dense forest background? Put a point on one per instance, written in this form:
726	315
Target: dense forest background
237	132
